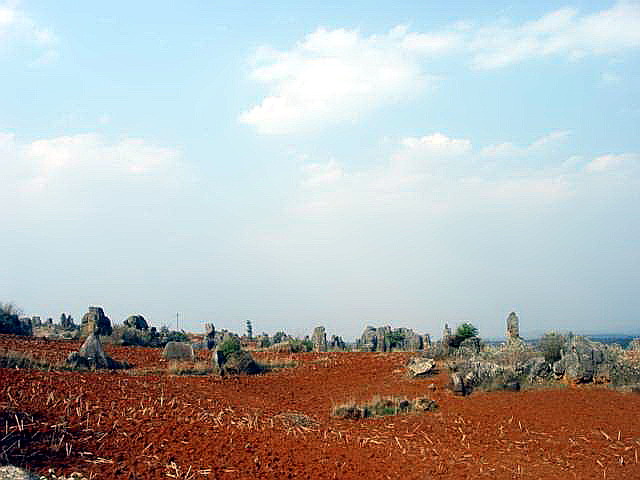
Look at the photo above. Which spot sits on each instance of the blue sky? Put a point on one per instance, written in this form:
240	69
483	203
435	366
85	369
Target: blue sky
335	163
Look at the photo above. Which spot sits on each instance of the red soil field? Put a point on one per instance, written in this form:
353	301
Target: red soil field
136	425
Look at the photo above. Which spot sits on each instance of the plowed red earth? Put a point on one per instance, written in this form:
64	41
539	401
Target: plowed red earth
127	426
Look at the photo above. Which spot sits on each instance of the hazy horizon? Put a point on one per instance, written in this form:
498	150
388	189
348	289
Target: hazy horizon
332	163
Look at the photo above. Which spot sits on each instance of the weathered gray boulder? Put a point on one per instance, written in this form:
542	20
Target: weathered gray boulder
634	345
420	366
424	404
95	321
468	348
234	363
382	339
136	321
368	339
210	335
337	343
319	339
91	355
457	385
178	351
66	322
583	361
513	326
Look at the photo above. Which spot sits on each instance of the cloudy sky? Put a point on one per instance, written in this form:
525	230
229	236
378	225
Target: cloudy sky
335	163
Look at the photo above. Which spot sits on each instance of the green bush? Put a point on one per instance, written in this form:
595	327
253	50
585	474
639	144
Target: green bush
229	346
395	340
10	321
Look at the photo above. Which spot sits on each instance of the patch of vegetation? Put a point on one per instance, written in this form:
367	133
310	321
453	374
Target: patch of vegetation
463	332
272	364
13	359
383	406
229	346
394	340
10	321
190	368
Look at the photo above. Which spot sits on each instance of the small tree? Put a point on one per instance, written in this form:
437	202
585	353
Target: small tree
229	346
463	332
249	330
279	337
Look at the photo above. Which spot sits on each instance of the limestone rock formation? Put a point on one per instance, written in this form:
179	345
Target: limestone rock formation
420	366
234	363
514	341
92	355
95	321
634	345
136	321
337	343
319	339
178	351
66	322
210	332
385	339
513	325
583	361
424	404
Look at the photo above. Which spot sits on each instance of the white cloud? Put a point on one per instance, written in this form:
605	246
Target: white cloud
18	29
611	162
55	170
610	79
336	76
509	149
333	76
436	144
562	32
436	173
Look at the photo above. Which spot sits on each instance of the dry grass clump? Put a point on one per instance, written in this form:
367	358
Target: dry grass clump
190	368
382	406
13	359
277	363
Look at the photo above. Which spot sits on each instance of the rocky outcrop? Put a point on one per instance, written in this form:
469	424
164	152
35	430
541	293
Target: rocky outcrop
337	343
136	321
210	335
178	351
420	366
235	363
513	326
583	361
468	348
514	341
319	339
634	345
66	322
92	356
95	321
385	339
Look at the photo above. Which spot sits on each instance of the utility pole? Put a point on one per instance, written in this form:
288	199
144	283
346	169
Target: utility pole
177	328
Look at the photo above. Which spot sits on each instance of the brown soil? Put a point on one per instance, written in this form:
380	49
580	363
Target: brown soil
130	425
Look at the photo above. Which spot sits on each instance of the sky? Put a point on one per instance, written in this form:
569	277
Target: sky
323	163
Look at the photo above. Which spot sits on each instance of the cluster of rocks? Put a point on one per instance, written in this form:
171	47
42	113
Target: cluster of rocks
320	343
579	360
136	322
95	321
386	339
91	354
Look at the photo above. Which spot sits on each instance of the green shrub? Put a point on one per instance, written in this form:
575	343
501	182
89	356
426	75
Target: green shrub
229	346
